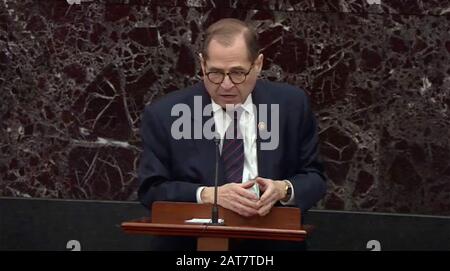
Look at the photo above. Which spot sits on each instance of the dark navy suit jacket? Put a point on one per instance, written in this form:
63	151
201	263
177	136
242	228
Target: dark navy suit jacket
172	170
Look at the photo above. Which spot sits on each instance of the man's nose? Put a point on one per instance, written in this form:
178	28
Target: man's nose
227	83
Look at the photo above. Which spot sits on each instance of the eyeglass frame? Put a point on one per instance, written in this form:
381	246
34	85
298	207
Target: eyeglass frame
225	74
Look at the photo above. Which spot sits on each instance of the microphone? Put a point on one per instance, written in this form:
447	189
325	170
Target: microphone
215	207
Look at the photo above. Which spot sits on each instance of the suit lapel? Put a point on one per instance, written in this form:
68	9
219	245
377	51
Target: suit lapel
206	147
261	99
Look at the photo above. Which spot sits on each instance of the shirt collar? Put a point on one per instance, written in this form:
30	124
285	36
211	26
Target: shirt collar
247	105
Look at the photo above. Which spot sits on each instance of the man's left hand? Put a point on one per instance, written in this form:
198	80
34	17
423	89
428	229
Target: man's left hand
273	191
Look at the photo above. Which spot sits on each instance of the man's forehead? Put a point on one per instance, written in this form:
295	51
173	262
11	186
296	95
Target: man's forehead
227	57
236	51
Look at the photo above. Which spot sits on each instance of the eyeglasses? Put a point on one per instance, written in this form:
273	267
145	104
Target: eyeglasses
237	77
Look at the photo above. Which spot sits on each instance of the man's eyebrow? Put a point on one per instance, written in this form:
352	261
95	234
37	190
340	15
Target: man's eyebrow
215	69
237	68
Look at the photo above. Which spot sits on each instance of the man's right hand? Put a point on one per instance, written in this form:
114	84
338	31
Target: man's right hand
235	197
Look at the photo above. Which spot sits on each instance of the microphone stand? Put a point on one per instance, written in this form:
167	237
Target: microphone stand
215	207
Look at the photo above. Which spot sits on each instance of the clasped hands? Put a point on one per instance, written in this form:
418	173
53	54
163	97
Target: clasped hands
237	198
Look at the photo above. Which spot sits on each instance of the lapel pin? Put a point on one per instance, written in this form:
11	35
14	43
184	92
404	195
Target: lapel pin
261	126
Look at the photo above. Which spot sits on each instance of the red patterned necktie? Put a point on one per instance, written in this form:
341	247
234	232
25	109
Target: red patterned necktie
233	150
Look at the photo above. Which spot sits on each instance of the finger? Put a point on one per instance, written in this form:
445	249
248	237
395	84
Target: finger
263	183
268	198
235	206
248	184
242	196
246	198
264	210
243	210
243	192
262	180
253	204
267	194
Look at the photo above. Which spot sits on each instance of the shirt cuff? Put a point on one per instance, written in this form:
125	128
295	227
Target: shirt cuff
291	199
199	194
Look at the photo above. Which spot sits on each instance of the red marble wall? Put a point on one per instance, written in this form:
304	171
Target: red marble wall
74	80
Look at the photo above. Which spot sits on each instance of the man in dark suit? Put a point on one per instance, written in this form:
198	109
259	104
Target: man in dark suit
272	155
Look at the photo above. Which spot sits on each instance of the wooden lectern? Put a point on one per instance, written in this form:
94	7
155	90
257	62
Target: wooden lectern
168	219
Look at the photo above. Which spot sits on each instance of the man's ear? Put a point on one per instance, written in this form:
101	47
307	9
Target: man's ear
202	62
259	63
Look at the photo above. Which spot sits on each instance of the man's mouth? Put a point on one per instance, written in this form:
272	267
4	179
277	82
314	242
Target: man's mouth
228	98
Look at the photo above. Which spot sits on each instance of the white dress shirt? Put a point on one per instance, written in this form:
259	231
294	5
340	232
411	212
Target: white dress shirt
247	125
